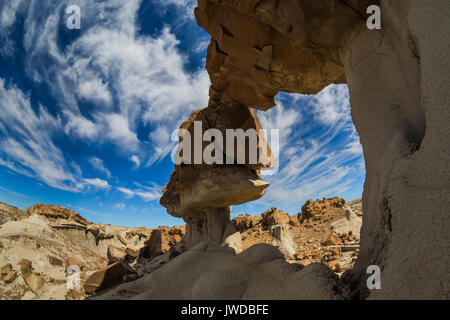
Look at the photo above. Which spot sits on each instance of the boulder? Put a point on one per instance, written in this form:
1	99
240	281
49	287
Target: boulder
6	269
282	234
132	252
161	241
331	240
33	281
10	277
115	254
107	277
121	238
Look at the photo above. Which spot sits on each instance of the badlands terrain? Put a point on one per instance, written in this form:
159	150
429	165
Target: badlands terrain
42	248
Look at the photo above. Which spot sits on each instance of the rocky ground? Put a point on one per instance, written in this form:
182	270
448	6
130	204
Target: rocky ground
324	231
43	248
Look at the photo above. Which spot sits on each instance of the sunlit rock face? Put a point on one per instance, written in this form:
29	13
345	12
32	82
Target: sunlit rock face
398	80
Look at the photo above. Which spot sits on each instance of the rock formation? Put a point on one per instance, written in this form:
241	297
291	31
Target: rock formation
276	260
39	247
202	194
398	80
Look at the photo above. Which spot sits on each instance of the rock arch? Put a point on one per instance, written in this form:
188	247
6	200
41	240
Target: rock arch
398	80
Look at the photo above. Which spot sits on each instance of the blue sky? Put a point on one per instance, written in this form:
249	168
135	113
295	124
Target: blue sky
86	115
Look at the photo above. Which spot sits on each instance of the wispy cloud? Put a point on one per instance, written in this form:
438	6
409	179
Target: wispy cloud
320	153
98	164
146	193
97	183
132	82
16	194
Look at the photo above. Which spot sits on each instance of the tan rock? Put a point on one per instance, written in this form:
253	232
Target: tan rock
73	261
10	277
33	281
331	240
107	277
121	239
293	221
132	252
22	291
316	208
6	269
115	254
53	212
161	241
25	266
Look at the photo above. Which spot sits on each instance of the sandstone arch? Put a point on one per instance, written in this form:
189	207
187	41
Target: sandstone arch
398	80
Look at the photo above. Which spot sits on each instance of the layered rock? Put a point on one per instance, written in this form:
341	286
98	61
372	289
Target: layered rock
53	213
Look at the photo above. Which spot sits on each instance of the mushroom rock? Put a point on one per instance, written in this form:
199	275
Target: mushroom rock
202	194
398	81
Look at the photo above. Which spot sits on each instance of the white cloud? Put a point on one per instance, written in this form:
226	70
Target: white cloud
97	183
331	104
136	161
110	62
149	195
120	206
26	141
320	156
118	130
98	164
95	90
80	127
128	192
146	193
185	7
